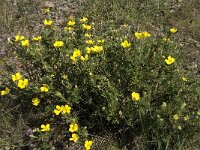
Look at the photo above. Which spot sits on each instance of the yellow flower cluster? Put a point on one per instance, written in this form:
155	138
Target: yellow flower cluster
44	88
77	54
21	83
19	37
84	19
89	42
45	127
142	35
5	92
88	144
73	127
94	49
62	109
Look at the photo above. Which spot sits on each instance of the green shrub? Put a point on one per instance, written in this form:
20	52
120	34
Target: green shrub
71	75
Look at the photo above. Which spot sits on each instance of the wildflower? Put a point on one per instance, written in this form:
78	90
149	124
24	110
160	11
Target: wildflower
47	22
46	10
58	109
175	117
16	76
74	137
88	144
45	127
19	37
5	92
76	53
184	78
73	127
170	60
198	113
186	118
142	35
73	58
125	44
179	127
38	38
44	88
101	41
68	28
95	49
173	30
89	42
35	101
66	109
71	23
87	35
84	58
58	44
135	96
22	83
84	19
25	43
87	27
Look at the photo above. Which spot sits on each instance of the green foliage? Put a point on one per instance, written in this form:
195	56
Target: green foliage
99	89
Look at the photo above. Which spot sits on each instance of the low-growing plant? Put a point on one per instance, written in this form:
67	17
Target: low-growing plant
74	82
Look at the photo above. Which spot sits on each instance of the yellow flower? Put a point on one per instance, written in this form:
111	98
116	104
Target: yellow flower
58	109
58	44
16	76
74	137
164	39
84	58
170	60
44	88
71	23
101	41
184	78
35	101
38	38
87	27
142	35
89	42
76	53
25	43
186	118
73	58
45	127
88	144
135	96
173	30
96	49
87	35
19	37
46	10
68	28
47	22
66	109
22	83
5	92
175	117
84	19
73	127
125	44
